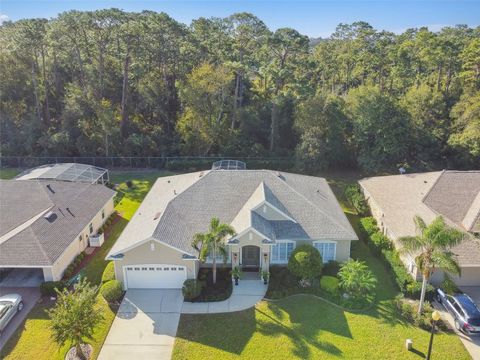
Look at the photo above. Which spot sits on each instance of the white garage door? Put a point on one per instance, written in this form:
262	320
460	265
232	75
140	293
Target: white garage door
155	276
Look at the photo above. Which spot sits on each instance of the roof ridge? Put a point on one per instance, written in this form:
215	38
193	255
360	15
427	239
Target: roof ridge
311	203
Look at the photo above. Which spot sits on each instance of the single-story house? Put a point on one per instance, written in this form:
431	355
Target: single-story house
45	224
455	195
271	212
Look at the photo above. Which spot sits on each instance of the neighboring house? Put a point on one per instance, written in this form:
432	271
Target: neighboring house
271	212
455	195
45	224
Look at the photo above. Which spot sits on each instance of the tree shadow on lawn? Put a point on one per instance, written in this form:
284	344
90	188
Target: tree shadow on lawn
229	332
308	320
302	320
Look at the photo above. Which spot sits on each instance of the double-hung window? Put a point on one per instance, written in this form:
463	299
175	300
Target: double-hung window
219	256
281	251
327	250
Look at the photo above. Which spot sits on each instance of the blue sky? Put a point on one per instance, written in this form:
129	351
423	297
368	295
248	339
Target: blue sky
313	18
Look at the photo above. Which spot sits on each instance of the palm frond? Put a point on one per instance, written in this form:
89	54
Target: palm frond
222	251
449	237
198	240
420	225
435	227
446	260
410	244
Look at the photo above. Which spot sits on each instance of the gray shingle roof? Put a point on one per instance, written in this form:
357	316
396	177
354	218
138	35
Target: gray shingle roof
31	195
308	200
400	197
453	195
262	225
42	242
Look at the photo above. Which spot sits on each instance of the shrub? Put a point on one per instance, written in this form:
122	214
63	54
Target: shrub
111	290
355	197
192	288
109	272
305	262
381	241
47	288
331	268
129	183
409	311
329	284
449	286
369	225
356	279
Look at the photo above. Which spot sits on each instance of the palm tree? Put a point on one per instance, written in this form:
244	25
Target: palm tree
213	243
431	249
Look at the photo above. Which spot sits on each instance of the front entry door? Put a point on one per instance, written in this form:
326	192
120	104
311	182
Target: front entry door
250	258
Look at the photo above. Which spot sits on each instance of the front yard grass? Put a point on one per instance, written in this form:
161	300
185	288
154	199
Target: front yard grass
305	327
32	340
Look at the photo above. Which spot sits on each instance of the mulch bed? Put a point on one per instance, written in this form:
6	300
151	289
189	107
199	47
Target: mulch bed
218	292
72	353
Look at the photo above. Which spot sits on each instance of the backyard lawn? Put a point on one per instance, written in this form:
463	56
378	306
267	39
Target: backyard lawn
33	338
130	198
306	327
9	173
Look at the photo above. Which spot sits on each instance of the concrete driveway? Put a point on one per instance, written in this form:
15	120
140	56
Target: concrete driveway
145	326
471	343
30	297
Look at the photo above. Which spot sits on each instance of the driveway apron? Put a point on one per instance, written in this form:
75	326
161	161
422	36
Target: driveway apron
145	326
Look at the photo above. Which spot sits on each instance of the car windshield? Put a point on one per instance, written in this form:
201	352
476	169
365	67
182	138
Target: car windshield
3	309
469	307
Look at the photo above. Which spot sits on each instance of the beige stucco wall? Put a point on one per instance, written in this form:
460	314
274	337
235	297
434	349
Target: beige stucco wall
470	277
342	252
77	246
342	249
162	254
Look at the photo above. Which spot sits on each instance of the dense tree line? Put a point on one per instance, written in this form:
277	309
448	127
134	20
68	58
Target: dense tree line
110	82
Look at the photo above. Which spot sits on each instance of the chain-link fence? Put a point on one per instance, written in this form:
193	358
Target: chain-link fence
150	162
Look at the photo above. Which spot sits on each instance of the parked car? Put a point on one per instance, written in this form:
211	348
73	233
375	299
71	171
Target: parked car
464	311
9	305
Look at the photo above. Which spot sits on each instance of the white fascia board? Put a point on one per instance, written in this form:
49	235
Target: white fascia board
127	249
252	230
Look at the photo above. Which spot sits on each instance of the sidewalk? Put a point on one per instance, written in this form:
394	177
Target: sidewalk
244	296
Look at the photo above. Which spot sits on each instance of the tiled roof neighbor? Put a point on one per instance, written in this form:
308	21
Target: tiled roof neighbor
42	242
453	194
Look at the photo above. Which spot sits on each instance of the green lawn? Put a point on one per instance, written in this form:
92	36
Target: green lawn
9	173
130	198
305	327
33	338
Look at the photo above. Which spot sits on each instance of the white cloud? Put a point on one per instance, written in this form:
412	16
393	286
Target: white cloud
3	18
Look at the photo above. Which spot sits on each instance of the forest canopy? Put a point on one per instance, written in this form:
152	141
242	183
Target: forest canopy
113	83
